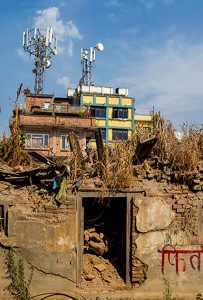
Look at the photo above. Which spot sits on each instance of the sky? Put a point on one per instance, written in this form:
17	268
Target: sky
152	47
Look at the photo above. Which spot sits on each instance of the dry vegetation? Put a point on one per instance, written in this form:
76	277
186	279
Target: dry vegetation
116	169
12	151
183	154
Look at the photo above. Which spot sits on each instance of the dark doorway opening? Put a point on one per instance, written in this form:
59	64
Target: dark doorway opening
105	230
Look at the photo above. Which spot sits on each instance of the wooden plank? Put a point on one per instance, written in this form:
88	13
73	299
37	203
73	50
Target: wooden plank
74	145
127	262
143	149
6	219
99	143
80	242
40	157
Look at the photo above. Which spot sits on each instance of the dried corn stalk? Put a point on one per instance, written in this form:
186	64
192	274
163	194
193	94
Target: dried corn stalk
11	151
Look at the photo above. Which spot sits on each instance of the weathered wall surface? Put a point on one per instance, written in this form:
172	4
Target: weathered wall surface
164	214
44	236
167	214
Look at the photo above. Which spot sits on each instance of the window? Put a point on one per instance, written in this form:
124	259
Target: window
37	140
103	132
65	145
46	105
120	113
98	112
120	134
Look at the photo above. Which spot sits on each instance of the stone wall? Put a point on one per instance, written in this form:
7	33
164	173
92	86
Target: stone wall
43	235
162	213
167	215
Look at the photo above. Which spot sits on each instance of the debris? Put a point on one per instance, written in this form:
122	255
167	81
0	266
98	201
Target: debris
95	242
41	157
76	185
100	274
143	149
100	267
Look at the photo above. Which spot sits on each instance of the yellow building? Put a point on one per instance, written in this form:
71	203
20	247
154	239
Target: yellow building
114	111
144	120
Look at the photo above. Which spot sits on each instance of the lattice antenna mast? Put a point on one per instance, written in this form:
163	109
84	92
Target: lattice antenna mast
88	57
42	44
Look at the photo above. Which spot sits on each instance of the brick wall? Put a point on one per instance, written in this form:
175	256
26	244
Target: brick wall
52	121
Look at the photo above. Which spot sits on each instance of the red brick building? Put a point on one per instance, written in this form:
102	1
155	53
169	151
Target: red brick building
46	121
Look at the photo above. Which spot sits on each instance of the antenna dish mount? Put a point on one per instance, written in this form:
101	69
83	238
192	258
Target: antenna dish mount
88	57
99	47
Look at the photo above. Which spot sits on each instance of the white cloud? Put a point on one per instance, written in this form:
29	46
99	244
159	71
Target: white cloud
169	78
65	33
65	81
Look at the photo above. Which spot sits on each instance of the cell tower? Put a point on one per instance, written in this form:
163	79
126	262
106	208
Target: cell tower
88	57
42	44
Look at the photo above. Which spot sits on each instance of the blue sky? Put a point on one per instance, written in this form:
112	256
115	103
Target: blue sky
152	47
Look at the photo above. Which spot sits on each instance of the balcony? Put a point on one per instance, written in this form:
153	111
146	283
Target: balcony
56	121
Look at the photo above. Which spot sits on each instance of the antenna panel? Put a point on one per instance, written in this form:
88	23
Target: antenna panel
47	37
50	34
42	44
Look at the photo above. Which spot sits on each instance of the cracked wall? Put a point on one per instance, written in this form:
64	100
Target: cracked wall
166	214
44	236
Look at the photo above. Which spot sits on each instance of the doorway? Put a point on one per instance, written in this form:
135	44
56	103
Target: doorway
104	236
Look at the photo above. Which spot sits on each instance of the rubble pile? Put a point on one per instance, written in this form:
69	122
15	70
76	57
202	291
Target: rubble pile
154	169
99	273
95	242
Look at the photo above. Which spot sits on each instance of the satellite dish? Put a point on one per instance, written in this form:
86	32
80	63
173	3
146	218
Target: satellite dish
99	47
47	63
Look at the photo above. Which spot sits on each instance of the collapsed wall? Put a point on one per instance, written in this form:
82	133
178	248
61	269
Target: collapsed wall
163	225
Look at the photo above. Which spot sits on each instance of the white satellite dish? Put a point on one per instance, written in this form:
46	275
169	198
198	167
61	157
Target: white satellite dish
99	47
47	63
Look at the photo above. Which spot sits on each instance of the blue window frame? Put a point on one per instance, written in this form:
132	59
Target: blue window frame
103	132
120	113
120	134
98	112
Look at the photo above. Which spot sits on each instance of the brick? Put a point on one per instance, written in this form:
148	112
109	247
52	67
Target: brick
196	188
182	201
180	210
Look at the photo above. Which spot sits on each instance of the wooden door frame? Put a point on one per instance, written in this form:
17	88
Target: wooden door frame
80	230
